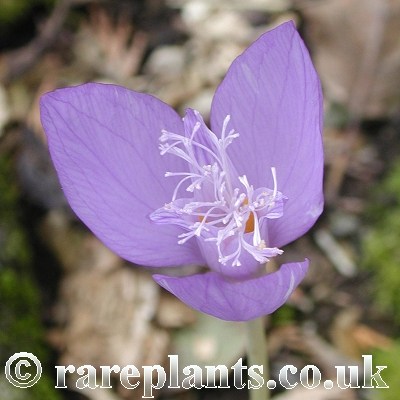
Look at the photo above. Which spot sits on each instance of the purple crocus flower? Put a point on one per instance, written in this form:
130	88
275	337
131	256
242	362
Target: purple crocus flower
161	191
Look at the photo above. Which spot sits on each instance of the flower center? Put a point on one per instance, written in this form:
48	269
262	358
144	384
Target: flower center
249	227
224	207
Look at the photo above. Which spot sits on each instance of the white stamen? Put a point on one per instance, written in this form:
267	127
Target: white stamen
218	207
256	236
273	171
224	125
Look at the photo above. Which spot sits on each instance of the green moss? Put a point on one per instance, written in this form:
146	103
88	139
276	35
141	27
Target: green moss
283	316
44	389
390	359
20	323
20	328
13	243
12	10
380	245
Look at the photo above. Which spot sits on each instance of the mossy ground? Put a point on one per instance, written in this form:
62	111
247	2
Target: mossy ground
20	307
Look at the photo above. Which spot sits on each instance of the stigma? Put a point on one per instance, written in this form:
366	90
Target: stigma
211	201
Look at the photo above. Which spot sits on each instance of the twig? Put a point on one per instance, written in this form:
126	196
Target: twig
16	62
335	252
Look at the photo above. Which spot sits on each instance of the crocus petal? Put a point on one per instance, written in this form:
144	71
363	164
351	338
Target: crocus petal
103	140
273	96
213	294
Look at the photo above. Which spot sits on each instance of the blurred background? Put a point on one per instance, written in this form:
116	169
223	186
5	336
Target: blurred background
67	299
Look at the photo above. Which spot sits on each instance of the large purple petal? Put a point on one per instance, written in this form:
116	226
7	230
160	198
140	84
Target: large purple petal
103	140
273	95
230	300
